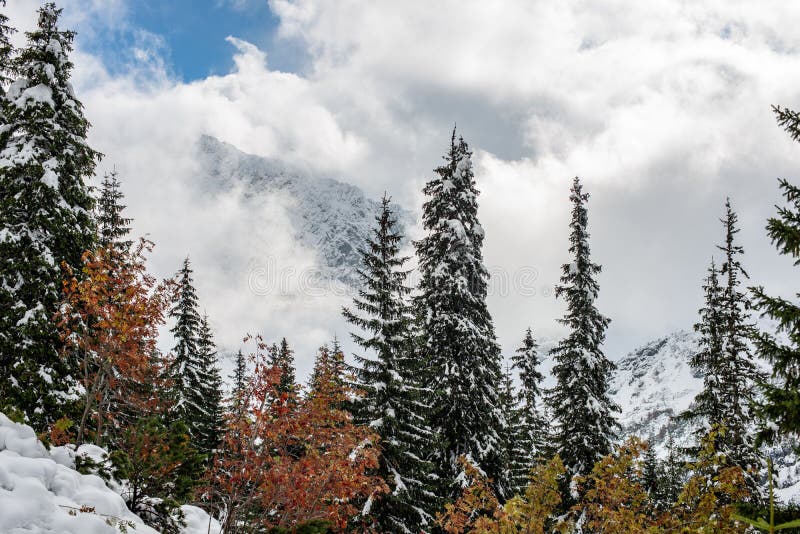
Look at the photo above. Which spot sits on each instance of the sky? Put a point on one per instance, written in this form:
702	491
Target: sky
661	107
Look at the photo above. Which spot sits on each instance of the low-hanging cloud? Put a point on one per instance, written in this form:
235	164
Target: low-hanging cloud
662	107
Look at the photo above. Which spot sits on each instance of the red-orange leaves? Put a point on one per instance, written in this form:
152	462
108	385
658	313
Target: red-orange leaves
287	459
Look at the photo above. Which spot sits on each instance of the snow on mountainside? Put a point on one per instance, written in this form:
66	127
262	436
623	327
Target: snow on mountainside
330	217
655	382
41	493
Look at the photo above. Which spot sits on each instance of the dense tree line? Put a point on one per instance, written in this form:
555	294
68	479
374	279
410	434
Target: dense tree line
426	429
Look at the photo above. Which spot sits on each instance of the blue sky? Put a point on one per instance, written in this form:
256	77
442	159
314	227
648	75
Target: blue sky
193	34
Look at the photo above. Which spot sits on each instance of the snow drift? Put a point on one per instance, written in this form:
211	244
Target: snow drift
42	493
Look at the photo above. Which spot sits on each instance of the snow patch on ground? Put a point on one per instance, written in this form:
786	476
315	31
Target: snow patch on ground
41	493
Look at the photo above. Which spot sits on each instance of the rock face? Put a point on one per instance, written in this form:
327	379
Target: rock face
332	218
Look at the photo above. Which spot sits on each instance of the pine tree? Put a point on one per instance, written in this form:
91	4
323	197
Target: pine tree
283	357
534	435
6	52
328	364
391	401
458	339
738	373
239	379
580	400
185	371
209	428
515	452
112	227
651	471
708	403
780	407
45	218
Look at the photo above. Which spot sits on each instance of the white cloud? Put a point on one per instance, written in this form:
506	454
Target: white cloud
662	106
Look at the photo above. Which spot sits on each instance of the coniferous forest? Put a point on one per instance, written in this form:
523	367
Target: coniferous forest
427	428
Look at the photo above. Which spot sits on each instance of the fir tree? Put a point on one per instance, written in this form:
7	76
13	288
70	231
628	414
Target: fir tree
534	434
239	380
580	400
458	340
708	403
515	451
185	372
330	365
780	407
738	373
651	471
391	401
112	227
45	217
283	357
209	428
6	52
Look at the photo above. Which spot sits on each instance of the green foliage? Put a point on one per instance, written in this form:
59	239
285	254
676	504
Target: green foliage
160	466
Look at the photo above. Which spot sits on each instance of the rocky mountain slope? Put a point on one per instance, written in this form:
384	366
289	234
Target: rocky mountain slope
329	217
655	383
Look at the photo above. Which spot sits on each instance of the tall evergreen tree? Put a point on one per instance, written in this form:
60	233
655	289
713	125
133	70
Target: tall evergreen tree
458	338
45	217
209	428
780	407
580	401
6	51
515	451
534	434
112	227
725	359
391	400
738	373
185	371
708	403
239	380
282	356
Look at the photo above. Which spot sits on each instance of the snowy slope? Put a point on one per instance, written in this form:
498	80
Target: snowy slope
655	382
330	217
41	493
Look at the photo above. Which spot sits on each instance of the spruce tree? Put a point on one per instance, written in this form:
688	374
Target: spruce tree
534	434
282	357
391	400
209	428
112	227
185	371
738	372
329	365
580	401
780	407
239	380
458	339
515	452
45	218
708	403
6	53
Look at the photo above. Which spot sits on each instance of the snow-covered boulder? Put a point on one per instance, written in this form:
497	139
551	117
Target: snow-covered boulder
41	493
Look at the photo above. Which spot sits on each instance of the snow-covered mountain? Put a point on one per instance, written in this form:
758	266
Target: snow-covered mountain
330	217
655	382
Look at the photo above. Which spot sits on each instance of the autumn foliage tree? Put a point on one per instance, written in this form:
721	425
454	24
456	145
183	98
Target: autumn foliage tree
615	502
282	464
109	320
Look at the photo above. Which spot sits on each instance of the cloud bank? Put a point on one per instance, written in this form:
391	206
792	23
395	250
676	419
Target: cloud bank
662	107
